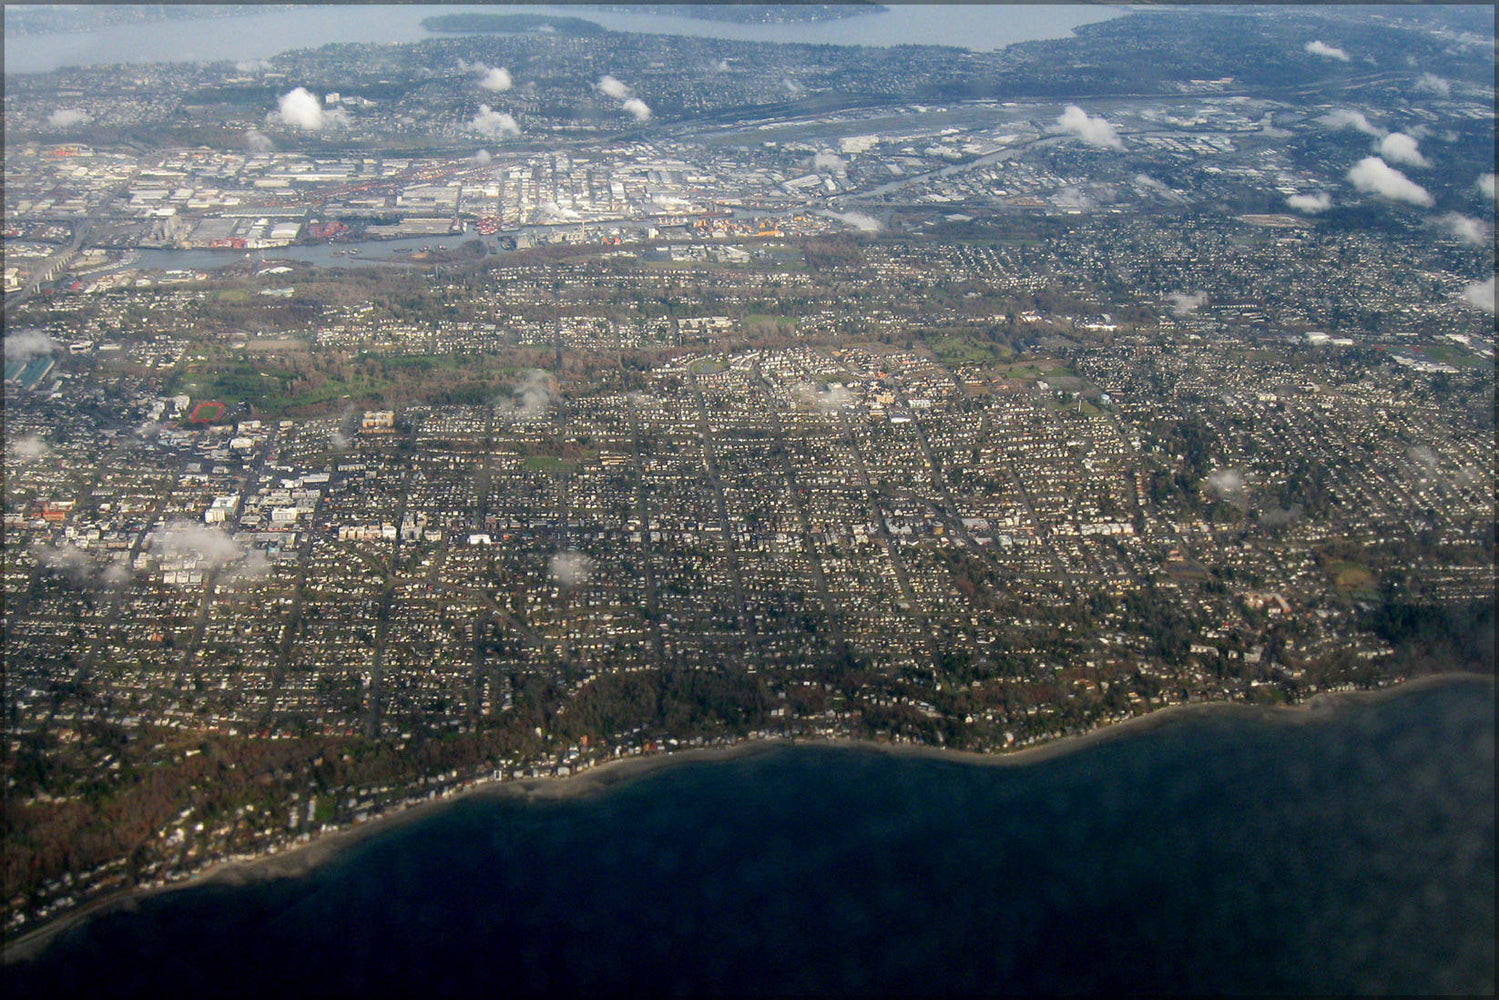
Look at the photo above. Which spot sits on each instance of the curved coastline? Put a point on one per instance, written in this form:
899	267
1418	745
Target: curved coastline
299	859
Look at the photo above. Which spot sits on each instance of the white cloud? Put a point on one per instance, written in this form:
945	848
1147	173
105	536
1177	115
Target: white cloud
1401	148
1073	197
482	157
1486	185
1312	203
1481	295
117	573
1183	303
258	142
209	546
1430	83
23	345
1425	458
570	568
1343	118
1227	484
826	161
1321	48
64	557
27	449
496	78
299	107
1092	129
615	89
827	398
863	223
530	398
210	549
550	212
68	117
1146	184
1372	175
631	104
1465	228
496	124
792	87
302	108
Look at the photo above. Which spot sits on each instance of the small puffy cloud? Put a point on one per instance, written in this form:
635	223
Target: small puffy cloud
65	558
1311	203
1281	516
210	546
1397	147
549	213
482	157
570	568
252	66
299	107
1481	295
638	108
1423	458
69	117
1321	48
26	449
1430	83
1372	175
257	141
863	223
1073	197
117	573
23	345
1343	118
1183	303
1465	228
496	78
827	398
1145	182
826	161
1092	129
493	123
530	398
302	108
792	87
613	88
1486	185
723	66
210	549
1227	485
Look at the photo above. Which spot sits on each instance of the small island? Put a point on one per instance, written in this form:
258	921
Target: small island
510	24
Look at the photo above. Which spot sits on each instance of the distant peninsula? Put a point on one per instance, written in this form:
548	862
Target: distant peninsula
759	13
511	24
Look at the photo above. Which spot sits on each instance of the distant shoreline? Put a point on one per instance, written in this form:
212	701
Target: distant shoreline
300	859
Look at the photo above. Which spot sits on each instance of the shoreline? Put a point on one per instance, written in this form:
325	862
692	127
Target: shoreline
298	860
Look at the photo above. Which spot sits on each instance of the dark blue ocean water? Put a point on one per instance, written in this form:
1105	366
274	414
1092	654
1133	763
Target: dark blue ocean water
1349	850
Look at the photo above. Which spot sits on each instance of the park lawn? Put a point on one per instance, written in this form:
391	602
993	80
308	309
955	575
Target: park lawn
548	463
1352	577
959	349
1452	354
1031	370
